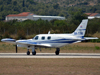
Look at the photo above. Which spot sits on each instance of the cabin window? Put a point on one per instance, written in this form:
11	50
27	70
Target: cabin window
49	37
43	38
36	38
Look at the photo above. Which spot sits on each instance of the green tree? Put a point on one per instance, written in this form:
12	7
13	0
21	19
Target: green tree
56	6
15	3
77	17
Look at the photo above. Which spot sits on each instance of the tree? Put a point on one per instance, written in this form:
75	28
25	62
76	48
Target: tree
77	17
9	2
15	3
98	1
23	3
56	6
93	9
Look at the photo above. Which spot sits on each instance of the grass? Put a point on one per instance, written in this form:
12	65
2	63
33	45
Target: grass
97	48
74	48
49	66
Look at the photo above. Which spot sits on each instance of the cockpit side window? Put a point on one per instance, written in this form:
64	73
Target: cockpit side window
43	38
49	37
36	38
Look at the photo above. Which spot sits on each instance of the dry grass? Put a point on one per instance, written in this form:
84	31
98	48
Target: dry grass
97	34
49	66
73	48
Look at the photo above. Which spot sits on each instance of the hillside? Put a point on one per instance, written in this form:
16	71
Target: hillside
66	3
48	7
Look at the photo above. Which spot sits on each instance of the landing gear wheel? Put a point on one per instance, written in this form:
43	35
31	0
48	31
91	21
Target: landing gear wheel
57	51
28	52
34	53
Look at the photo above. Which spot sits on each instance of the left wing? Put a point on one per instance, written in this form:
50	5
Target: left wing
32	43
43	45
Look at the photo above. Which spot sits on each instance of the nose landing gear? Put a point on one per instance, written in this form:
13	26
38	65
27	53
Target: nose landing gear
28	52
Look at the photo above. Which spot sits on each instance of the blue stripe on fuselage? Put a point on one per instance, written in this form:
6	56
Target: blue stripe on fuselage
49	41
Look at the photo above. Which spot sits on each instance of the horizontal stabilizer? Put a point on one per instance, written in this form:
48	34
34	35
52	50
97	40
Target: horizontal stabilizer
89	38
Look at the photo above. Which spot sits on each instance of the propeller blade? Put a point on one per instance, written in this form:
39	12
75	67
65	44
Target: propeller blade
16	48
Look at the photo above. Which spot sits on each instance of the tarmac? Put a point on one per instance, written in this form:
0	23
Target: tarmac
50	55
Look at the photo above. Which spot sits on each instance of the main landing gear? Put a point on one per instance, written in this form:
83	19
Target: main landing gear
33	51
57	51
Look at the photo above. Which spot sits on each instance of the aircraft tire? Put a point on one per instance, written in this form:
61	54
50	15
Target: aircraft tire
28	52
34	53
57	51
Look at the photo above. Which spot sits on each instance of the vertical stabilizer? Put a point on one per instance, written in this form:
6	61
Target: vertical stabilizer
81	29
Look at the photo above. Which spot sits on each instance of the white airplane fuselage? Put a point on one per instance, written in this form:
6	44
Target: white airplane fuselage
53	40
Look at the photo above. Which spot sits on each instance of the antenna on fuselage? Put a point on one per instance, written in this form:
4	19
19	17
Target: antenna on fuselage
48	32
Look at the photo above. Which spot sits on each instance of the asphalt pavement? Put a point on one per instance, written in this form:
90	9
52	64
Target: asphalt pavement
50	55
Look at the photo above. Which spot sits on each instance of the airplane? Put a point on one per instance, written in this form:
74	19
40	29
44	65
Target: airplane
52	40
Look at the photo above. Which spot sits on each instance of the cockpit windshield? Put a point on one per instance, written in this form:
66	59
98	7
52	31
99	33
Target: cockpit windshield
36	37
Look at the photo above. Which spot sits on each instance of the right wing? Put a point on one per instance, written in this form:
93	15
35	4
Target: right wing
25	42
9	40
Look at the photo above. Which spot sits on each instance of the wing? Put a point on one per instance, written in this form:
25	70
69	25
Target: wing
9	40
32	43
42	45
25	42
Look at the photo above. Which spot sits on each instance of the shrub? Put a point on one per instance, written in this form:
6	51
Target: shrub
97	48
21	34
6	35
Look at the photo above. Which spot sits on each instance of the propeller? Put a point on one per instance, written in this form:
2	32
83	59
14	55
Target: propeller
16	48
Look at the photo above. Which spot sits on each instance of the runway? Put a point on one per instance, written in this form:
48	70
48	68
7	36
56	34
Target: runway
50	55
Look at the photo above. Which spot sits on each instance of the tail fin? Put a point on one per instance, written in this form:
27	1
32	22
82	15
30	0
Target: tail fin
80	31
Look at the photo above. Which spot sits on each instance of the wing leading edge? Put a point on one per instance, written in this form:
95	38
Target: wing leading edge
25	42
31	43
9	40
